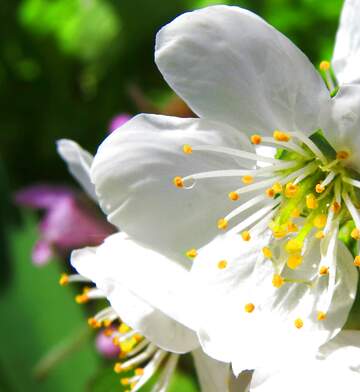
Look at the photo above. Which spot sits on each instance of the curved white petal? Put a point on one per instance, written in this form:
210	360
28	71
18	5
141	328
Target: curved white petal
148	291
133	172
79	162
213	375
229	65
341	124
346	57
229	333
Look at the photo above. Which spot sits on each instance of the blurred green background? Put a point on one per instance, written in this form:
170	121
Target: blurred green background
66	68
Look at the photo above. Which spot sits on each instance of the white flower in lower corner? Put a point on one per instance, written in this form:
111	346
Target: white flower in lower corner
151	296
335	368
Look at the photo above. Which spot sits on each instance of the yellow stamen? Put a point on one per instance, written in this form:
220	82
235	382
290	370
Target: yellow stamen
178	182
319	188
342	155
324	66
233	196
321	316
81	299
281	136
187	149
267	252
246	235
277	187
277	281
108	332
319	235
280	233
107	323
294	261
295	213
320	221
270	192
323	270
249	308
298	323
125	381
256	139
311	201
292	228
139	372
355	233
94	323
222	224
335	207
191	253
64	279
357	261
291	190
222	264
118	367
294	246
247	180
124	328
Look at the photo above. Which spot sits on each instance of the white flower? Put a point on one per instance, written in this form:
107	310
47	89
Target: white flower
149	296
242	77
335	368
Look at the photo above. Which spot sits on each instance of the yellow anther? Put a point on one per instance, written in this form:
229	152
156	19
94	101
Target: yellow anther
277	187
311	202
118	368
247	180
324	270
335	207
277	281
107	323
279	233
291	190
298	323
294	246
342	155
81	299
94	323
64	279
321	316
357	261
191	253
178	182
137	337
324	66
124	328
292	228
319	235
355	233
256	139
222	224
127	345
294	261
139	372
246	235
233	196
319	188
320	221
187	149
249	308
222	264
108	332
295	213
267	252
125	381
281	136
270	192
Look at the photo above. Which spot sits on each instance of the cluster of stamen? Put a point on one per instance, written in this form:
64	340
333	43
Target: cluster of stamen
305	192
139	358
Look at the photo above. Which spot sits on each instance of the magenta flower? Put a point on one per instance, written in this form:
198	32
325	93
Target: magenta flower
69	221
117	121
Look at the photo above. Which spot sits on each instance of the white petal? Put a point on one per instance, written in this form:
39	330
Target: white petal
133	172
227	330
79	162
229	65
346	57
213	375
341	124
147	290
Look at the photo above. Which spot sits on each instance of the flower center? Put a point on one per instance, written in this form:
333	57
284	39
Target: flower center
305	193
